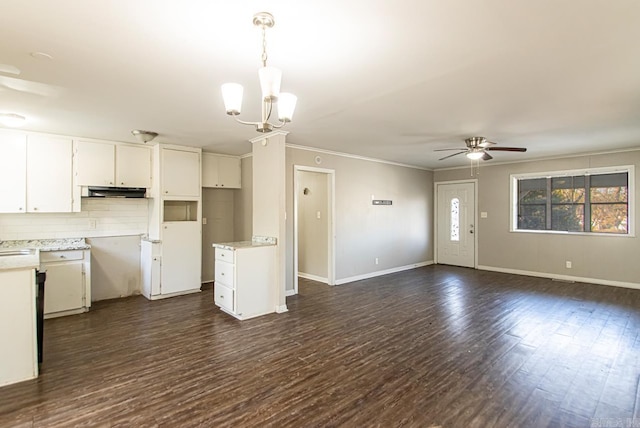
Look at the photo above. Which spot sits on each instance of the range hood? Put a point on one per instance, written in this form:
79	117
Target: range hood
113	192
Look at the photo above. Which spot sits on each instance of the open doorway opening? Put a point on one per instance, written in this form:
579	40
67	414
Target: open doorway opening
314	225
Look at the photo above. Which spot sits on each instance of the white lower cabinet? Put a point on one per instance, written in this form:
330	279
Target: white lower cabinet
172	267
67	287
245	280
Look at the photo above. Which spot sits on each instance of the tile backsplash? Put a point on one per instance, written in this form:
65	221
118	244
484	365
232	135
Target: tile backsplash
99	217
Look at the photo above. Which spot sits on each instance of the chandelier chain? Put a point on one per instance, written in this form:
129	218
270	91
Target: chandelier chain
264	46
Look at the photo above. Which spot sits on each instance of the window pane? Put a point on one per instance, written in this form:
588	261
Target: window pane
608	194
567	195
619	179
532	217
455	219
567	217
610	218
532	191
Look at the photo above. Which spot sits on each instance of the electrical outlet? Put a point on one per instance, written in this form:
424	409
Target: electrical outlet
318	214
376	260
567	264
92	224
204	220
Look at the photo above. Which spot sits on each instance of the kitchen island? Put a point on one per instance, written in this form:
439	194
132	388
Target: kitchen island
245	277
18	335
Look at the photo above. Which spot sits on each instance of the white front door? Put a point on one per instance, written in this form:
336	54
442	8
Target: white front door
456	224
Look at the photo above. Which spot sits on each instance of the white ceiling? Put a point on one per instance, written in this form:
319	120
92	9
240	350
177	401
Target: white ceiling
382	79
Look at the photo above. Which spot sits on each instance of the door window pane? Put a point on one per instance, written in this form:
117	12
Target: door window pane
455	219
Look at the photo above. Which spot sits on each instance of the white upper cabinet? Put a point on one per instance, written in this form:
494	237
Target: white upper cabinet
49	174
96	164
13	173
220	171
109	164
133	166
180	173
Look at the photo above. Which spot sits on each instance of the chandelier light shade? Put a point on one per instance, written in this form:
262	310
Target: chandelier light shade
286	106
232	96
270	79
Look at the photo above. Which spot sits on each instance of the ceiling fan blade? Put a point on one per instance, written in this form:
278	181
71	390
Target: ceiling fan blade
455	154
507	149
444	150
9	69
486	156
28	86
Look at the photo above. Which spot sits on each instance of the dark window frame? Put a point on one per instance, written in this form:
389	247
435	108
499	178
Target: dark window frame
583	201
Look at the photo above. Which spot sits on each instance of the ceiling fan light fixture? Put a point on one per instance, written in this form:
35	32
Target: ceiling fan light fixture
12	120
475	154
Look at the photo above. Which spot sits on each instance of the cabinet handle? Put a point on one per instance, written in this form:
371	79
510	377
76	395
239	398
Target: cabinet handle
122	183
222	274
222	185
221	296
62	256
166	191
20	209
35	208
111	182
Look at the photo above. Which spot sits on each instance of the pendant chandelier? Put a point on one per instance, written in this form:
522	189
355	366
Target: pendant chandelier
270	78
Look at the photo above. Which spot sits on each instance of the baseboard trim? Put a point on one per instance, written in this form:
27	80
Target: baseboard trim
290	293
382	272
313	277
623	284
281	309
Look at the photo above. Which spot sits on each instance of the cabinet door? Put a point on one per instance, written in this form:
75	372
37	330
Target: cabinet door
209	170
180	173
95	164
13	173
229	172
133	166
64	287
181	252
49	174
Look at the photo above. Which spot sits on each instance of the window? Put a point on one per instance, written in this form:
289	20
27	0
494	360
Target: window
455	219
595	200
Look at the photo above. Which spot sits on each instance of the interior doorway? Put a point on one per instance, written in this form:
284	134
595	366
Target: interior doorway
456	237
314	225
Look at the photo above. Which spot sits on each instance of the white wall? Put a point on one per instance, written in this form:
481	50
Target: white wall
313	233
113	217
218	209
600	259
115	267
400	235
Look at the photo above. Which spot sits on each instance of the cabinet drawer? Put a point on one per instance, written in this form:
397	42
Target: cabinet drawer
223	296
225	255
60	256
225	274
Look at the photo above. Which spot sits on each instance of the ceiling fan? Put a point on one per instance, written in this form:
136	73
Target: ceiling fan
22	85
477	148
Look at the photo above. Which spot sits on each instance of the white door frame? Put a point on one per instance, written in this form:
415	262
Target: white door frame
331	241
474	181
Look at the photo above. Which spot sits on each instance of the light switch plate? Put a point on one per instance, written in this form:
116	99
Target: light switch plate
483	214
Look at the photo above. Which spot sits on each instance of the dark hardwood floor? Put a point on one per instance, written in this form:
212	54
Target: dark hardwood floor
435	346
